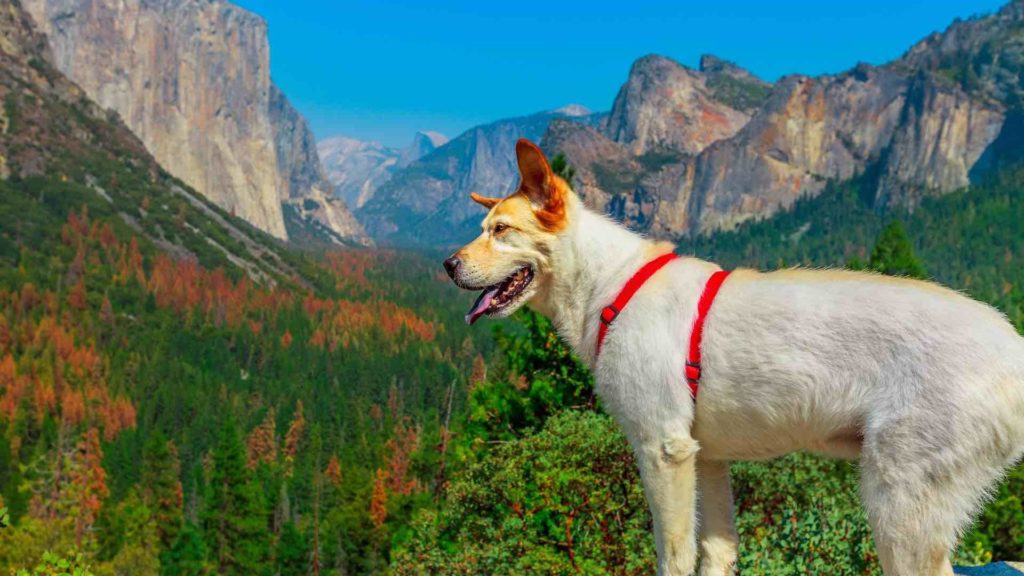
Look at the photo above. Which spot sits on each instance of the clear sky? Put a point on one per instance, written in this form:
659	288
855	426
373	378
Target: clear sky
382	69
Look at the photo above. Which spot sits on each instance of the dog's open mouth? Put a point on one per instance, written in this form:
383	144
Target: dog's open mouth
494	298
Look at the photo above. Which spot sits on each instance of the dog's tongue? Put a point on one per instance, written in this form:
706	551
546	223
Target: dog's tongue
481	306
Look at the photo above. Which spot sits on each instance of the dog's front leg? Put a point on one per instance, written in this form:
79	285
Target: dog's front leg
668	470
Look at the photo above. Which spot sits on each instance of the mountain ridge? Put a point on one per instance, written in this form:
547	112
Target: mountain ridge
426	202
687	151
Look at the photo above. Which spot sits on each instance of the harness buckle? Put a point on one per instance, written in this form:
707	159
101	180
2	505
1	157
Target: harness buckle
692	372
609	314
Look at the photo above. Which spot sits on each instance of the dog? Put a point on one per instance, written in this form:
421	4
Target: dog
920	383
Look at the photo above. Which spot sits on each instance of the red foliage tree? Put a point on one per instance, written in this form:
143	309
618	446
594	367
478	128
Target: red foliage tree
88	481
379	499
261	444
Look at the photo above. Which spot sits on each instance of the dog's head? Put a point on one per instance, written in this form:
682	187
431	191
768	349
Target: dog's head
510	261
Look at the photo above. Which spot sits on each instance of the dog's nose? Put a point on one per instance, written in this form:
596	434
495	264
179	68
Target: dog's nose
452	265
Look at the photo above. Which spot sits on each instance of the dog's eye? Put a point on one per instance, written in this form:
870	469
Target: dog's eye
499	228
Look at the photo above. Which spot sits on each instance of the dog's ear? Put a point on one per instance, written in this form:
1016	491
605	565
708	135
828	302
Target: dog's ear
534	172
537	182
485	201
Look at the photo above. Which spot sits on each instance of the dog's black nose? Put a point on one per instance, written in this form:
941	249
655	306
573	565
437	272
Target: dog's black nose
452	265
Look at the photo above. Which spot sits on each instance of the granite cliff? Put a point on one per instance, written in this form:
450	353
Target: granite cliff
192	79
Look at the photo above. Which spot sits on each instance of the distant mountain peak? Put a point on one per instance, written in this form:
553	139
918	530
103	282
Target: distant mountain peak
573	110
436	139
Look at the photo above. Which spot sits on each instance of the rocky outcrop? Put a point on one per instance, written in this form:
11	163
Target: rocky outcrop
666	106
356	168
192	79
425	203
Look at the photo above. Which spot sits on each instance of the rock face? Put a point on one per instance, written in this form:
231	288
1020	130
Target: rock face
49	127
687	152
356	168
303	184
426	202
192	79
666	106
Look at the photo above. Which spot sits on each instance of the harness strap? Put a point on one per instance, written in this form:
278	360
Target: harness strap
611	312
707	297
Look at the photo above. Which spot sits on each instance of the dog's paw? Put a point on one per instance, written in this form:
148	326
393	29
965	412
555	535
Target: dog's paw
716	569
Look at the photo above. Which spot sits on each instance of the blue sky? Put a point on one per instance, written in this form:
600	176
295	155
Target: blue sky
383	69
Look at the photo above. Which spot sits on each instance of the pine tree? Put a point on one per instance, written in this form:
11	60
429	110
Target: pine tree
161	487
893	254
187	556
292	552
560	166
235	519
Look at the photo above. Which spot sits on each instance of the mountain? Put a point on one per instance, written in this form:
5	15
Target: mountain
686	152
356	168
192	79
425	202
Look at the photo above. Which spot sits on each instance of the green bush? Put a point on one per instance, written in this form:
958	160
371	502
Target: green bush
566	499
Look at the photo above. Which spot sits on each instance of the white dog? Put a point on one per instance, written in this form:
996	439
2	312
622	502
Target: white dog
923	385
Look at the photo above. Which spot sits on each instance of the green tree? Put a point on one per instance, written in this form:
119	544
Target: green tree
187	556
894	255
293	552
235	519
539	377
129	545
561	167
161	487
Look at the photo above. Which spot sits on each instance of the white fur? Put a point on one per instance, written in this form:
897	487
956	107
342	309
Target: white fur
923	385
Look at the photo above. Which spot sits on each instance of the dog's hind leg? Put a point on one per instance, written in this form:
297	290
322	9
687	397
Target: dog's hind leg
668	471
719	544
922	480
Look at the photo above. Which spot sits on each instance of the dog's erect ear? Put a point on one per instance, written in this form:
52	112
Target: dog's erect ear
534	171
538	184
485	201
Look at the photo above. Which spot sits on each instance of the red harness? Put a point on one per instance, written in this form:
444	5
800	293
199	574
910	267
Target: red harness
707	297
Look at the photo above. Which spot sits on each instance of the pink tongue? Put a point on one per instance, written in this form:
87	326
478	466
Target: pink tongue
481	306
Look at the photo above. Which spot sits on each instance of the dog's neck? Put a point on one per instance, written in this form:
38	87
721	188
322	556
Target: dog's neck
592	260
